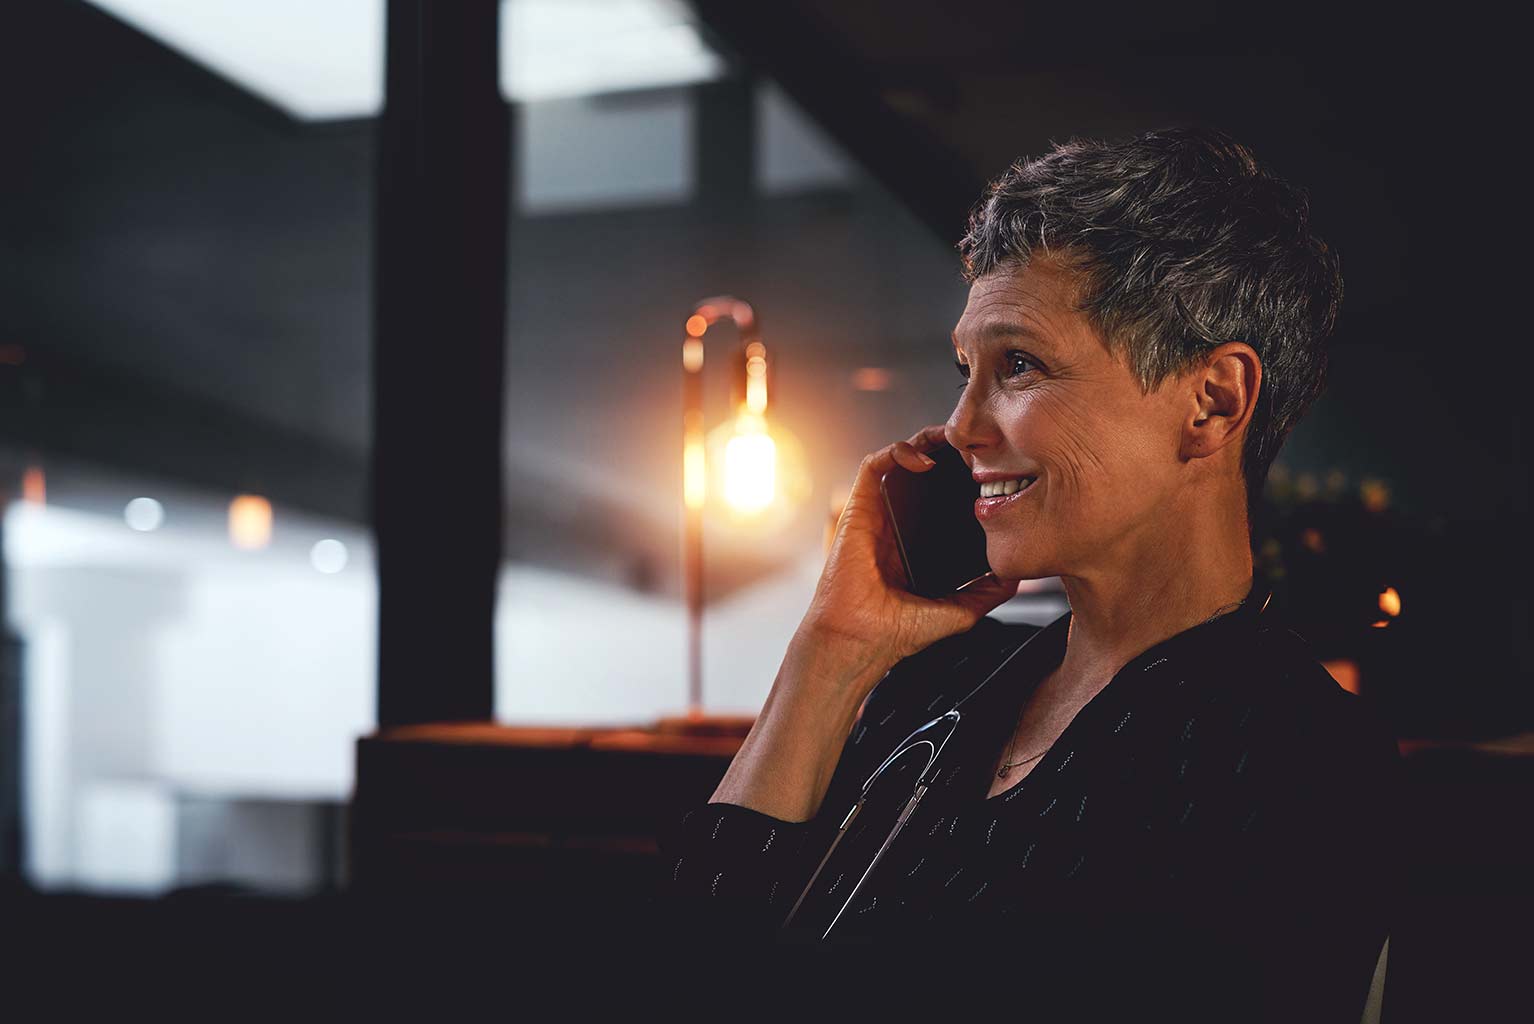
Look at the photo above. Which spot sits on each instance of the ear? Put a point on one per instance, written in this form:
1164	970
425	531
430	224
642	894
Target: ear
1222	396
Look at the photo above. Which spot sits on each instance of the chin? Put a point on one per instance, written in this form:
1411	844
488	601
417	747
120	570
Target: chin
1008	562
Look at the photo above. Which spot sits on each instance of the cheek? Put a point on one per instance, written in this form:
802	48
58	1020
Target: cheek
1096	460
1065	438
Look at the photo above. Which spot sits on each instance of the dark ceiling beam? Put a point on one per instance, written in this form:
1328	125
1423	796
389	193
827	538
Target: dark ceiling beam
846	100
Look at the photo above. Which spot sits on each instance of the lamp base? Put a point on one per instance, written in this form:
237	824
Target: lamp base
697	723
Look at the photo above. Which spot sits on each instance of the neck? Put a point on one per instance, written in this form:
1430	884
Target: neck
1193	563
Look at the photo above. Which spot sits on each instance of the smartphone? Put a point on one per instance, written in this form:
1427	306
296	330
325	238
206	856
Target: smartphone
942	544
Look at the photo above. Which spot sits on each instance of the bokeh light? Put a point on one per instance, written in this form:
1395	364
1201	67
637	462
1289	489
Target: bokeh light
144	514
250	522
328	556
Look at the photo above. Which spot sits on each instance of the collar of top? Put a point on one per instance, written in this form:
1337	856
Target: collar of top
1047	646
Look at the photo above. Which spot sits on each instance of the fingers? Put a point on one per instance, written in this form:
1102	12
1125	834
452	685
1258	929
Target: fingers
929	437
911	453
906	454
876	464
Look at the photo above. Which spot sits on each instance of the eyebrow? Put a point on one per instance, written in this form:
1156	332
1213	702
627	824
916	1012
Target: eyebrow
1006	328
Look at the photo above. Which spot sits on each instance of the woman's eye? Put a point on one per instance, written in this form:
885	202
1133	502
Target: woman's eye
1015	358
1016	363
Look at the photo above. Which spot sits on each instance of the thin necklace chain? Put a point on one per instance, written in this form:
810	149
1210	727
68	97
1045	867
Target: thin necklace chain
1001	773
1007	766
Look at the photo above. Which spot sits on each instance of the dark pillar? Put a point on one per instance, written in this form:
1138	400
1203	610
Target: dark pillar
439	331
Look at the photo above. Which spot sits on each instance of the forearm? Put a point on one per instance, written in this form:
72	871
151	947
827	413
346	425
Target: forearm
787	760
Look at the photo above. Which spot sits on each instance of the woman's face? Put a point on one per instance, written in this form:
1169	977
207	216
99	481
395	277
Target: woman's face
1044	398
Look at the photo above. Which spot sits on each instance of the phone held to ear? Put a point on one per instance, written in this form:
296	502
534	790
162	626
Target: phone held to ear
942	544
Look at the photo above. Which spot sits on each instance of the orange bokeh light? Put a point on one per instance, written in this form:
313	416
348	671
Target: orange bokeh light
34	485
872	378
692	355
1375	494
250	521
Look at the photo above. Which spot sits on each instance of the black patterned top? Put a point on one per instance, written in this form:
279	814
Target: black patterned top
1222	785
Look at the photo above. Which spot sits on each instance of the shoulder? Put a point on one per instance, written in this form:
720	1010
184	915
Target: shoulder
1288	674
1335	741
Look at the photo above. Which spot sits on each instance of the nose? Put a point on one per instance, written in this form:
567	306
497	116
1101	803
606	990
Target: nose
970	427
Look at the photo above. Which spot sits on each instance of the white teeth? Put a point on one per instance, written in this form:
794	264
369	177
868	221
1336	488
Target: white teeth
997	488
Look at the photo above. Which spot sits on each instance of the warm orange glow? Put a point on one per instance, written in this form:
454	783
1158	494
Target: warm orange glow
1375	494
756	381
1381	624
1390	602
758	476
741	311
250	521
756	396
34	486
1311	538
871	378
692	355
750	465
756	378
1345	672
694	478
697	325
1306	486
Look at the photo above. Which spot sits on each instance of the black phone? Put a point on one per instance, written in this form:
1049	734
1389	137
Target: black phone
942	544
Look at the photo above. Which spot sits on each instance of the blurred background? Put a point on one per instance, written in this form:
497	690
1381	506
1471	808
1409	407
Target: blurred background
342	421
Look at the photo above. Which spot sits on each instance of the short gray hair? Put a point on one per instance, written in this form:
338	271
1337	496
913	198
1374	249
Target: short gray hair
1183	241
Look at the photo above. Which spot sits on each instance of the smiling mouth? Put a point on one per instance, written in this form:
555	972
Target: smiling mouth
1002	488
999	496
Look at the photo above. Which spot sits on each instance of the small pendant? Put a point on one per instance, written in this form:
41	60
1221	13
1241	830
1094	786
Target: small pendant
1003	772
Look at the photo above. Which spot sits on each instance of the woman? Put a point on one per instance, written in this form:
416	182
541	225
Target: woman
1146	323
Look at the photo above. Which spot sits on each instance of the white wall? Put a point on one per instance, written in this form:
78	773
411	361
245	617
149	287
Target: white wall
169	667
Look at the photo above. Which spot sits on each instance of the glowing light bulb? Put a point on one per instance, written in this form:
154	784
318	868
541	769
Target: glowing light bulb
758	475
750	465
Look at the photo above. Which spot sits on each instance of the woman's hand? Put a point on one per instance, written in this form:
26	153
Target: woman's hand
861	601
861	621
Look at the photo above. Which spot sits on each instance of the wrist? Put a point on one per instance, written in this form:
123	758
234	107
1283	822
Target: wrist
831	656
